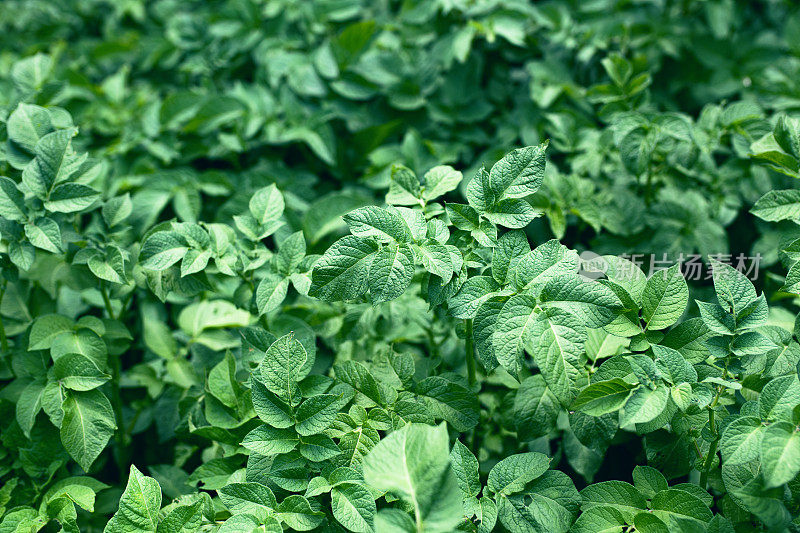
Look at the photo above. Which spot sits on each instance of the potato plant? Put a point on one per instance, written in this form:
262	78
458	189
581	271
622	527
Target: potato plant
386	266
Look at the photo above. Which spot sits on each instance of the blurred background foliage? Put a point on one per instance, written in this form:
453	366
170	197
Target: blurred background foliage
650	105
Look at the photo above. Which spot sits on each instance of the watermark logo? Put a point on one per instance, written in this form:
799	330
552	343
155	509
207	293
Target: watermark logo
592	265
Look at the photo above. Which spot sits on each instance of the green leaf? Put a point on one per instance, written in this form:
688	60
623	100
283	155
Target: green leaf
734	291
139	506
296	512
80	490
515	324
78	372
87	426
549	260
511	213
557	340
342	273
291	252
162	249
117	210
12	201
603	397
780	205
359	377
644	368
27	124
31	73
519	173
245	522
438	260
535	408
465	467
716	318
384	224
28	405
285	363
595	304
664	299
680	510
439	180
510	247
549	503
792	283
269	407
463	216
353	506
210	314
22	254
511	474
672	366
416	222
55	162
778	398
786	135
45	329
752	343
649	481
318	448
479	192
391	272
182	519
158	338
83	341
599	520
404	187
44	233
70	198
266	205
270	441
616	494
413	463
643	405
780	453
270	293
194	261
317	413
626	274
249	498
601	344
109	266
449	400
473	293
688	338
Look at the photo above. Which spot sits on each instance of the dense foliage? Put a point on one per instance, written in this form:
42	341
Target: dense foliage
435	265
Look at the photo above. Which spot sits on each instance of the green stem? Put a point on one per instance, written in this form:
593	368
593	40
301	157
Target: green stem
472	377
3	339
107	302
470	355
712	449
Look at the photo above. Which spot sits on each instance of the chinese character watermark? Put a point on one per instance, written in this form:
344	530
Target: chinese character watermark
627	267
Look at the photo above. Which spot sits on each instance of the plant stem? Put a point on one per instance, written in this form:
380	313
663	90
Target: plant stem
470	355
472	378
107	302
712	449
